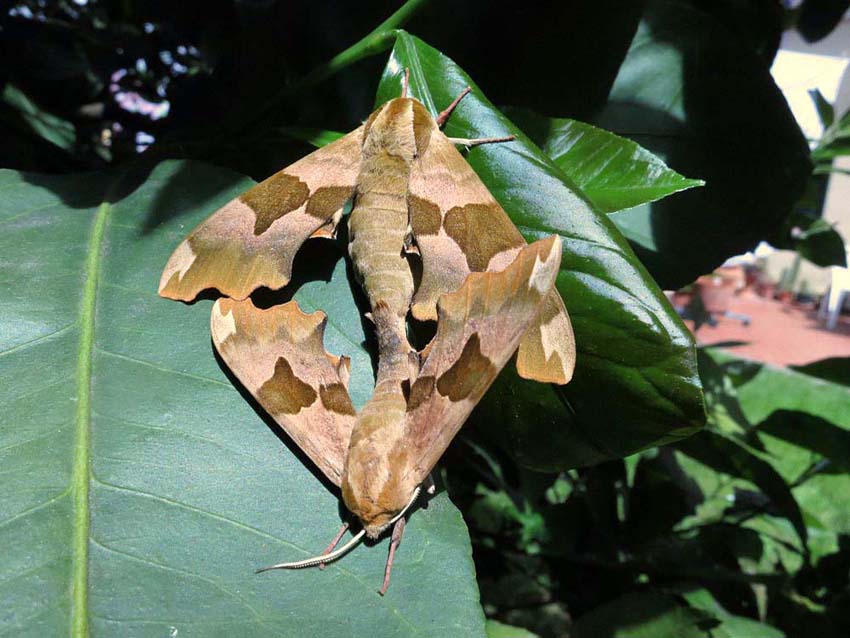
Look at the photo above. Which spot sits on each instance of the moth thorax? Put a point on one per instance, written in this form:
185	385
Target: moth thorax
391	132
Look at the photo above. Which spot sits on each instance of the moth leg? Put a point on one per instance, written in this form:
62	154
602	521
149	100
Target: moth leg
405	82
398	532
334	542
468	143
446	112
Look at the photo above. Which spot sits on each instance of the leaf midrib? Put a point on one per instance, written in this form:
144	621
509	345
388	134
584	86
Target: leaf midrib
80	476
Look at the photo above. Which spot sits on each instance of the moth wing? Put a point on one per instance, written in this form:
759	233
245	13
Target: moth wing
479	327
460	228
252	240
279	356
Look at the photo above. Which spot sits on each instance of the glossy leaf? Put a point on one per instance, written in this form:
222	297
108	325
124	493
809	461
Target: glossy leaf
635	383
613	172
694	91
140	488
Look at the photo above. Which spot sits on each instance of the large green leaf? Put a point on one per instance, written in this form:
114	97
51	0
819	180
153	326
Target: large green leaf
613	172
140	489
695	91
635	383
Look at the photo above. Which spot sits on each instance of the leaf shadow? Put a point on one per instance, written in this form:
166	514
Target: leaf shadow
190	177
89	190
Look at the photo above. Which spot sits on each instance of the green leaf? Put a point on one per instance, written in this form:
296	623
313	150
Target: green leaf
695	92
731	626
763	389
53	129
613	172
635	383
834	369
822	245
496	629
140	488
827	151
644	615
730	455
826	113
835	140
316	137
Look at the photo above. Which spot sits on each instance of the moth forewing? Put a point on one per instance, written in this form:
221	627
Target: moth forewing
460	228
479	328
251	241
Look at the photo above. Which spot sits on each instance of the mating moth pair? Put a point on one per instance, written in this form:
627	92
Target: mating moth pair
415	198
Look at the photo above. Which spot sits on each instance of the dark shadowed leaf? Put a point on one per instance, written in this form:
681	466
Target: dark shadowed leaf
729	455
731	626
834	369
822	245
694	91
644	615
18	111
802	421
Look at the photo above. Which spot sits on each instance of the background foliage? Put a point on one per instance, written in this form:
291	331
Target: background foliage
623	110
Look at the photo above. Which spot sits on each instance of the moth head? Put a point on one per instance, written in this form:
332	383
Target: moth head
376	507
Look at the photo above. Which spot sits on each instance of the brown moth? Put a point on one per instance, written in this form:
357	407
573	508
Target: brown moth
414	197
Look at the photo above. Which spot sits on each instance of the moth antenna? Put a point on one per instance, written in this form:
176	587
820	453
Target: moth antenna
405	82
329	558
318	560
446	112
469	143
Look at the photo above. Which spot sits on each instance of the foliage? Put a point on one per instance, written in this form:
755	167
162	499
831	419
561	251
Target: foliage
737	531
805	230
144	484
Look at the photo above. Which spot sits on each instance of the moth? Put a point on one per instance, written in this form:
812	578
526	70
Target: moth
414	199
